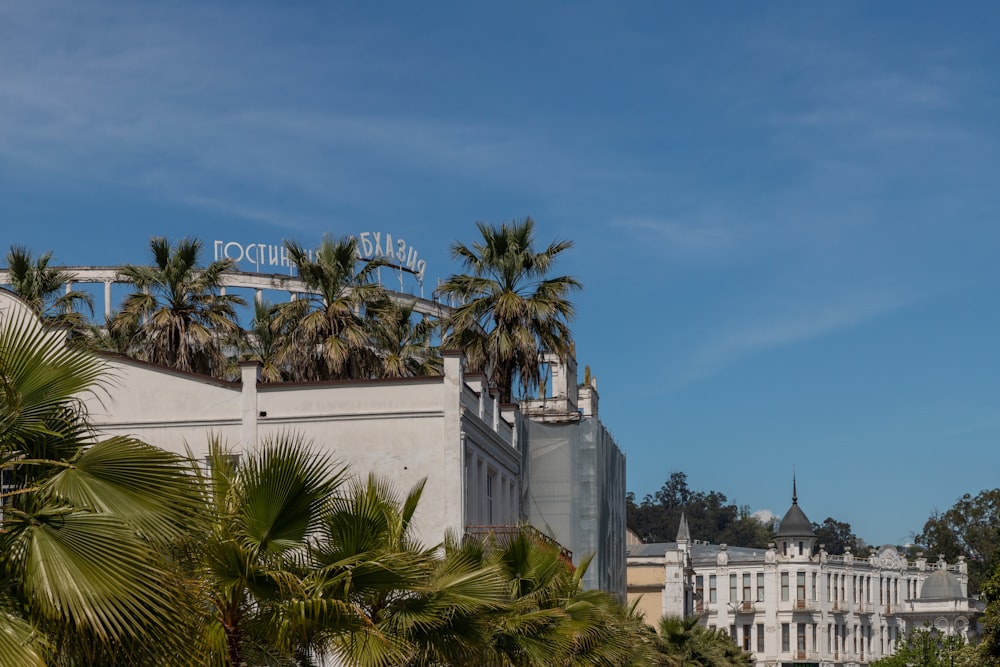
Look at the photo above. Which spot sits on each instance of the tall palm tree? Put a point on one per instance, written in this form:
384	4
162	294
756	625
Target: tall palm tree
509	310
402	346
180	314
84	524
330	340
42	287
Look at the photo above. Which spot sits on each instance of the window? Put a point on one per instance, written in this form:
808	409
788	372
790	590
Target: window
814	637
491	477
746	637
732	588
785	638
784	548
760	587
800	585
800	638
711	588
815	590
699	591
784	587
746	587
800	548
760	638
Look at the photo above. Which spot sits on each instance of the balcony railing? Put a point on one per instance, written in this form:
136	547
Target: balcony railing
503	534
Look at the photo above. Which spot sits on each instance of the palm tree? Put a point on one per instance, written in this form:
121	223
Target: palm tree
509	311
180	314
412	606
402	347
329	339
84	524
42	287
548	619
268	507
264	342
694	645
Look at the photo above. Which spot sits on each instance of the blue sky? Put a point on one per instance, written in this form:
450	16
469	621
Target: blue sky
785	214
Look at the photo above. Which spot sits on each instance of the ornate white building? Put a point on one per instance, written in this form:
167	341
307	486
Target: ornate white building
793	603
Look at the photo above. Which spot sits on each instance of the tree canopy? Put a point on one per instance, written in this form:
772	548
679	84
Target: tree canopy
711	516
970	528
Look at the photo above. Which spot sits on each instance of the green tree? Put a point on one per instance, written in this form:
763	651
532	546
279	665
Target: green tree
691	644
411	605
509	310
837	537
84	524
42	287
988	650
329	339
179	313
264	342
267	507
548	619
402	346
971	528
924	647
710	515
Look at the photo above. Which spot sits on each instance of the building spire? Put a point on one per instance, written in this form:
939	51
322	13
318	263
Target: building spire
795	493
683	533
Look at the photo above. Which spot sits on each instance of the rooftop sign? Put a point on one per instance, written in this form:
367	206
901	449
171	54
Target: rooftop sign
395	252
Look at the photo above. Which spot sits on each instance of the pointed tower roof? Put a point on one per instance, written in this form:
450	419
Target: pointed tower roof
795	523
683	533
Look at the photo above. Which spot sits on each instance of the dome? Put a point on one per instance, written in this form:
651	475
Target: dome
795	523
942	585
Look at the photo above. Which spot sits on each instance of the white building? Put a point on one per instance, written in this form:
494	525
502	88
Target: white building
447	429
794	604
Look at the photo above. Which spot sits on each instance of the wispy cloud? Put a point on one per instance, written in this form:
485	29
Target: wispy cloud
787	324
680	236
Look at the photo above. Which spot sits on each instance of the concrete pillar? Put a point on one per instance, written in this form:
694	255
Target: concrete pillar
249	372
107	299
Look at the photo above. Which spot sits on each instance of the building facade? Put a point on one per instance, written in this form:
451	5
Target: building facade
575	475
793	603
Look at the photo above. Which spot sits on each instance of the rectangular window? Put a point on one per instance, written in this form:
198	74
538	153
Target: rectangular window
760	638
800	638
760	587
711	588
732	588
746	587
746	637
815	592
491	477
814	637
699	592
800	586
784	587
785	638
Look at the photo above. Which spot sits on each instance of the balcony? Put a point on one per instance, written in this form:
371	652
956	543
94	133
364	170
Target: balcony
804	605
503	534
745	607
